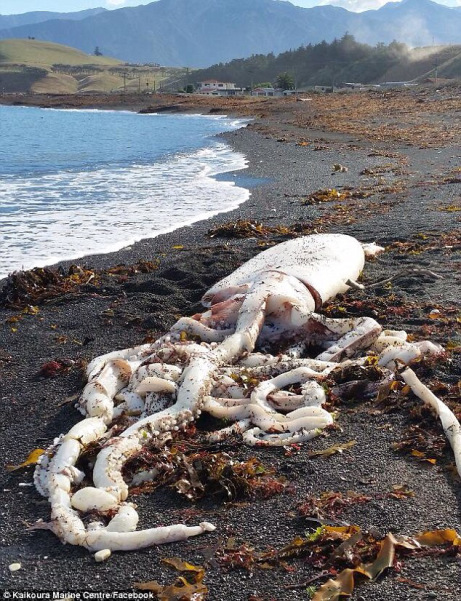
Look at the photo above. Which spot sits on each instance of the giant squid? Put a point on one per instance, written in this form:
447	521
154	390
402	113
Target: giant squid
270	302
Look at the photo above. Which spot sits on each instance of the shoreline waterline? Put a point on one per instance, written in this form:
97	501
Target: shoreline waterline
55	216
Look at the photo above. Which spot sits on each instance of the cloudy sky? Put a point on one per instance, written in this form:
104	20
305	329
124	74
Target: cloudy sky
21	6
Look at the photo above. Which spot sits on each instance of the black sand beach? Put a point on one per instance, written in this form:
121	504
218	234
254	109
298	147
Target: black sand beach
404	196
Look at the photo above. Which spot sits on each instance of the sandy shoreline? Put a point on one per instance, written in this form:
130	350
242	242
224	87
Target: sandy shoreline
405	199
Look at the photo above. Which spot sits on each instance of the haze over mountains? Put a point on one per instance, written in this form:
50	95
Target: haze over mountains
39	16
198	33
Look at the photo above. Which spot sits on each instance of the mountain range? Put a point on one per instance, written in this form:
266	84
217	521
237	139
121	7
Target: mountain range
199	33
39	16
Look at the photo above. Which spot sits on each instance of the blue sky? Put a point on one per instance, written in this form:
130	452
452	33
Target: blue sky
8	7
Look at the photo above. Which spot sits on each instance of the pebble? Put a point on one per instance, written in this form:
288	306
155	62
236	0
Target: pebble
14	567
102	555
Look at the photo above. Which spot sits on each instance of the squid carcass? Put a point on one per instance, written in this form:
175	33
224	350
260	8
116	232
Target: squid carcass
269	302
277	293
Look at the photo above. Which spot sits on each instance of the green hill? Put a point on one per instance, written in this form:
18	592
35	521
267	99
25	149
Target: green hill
28	65
35	53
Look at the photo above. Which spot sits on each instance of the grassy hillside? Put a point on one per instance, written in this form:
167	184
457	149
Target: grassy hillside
46	54
422	62
60	84
48	68
451	69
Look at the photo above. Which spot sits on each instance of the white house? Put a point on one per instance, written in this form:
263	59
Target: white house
213	87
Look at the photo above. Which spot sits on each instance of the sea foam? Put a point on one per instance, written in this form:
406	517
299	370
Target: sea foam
50	214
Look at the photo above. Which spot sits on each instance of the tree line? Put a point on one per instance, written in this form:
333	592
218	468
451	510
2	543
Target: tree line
342	60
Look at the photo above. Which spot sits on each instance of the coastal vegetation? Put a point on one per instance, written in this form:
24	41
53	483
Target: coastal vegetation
343	60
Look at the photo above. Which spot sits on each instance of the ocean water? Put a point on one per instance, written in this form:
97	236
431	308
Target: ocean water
80	182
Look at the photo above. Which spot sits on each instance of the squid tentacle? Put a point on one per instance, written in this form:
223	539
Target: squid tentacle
168	383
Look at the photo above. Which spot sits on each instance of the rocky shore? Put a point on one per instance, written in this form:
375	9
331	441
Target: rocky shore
383	167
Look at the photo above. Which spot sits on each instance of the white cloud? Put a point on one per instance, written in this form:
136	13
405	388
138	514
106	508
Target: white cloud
121	3
361	5
116	3
356	5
